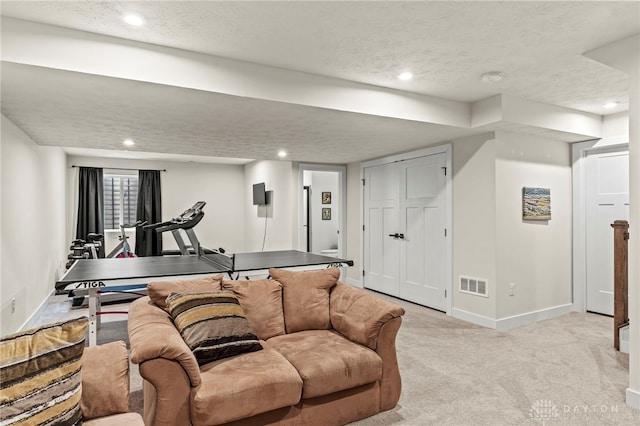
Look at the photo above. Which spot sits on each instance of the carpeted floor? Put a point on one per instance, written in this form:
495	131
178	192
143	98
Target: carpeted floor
559	371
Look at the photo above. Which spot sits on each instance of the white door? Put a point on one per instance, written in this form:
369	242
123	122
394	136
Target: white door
381	252
422	223
405	251
607	197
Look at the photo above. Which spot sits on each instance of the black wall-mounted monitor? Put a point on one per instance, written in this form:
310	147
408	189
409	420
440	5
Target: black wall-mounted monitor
259	194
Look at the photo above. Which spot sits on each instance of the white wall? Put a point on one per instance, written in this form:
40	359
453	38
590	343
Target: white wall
492	241
280	215
33	209
534	255
474	220
221	186
615	125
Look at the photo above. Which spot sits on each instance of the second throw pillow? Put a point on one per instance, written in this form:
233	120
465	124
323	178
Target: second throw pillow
212	324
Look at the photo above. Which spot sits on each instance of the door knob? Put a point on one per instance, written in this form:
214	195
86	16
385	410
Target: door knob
396	235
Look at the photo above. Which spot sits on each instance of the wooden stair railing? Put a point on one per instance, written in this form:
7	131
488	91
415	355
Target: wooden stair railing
620	278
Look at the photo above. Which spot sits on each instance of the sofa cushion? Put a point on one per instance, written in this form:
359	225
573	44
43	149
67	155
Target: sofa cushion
261	301
158	291
40	374
105	380
305	297
243	386
327	362
124	419
212	324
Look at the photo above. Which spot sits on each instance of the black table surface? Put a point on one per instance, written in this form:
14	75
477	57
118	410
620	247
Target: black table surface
161	266
281	259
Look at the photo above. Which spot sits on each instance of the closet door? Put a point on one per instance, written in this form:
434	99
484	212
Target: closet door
405	252
422	223
607	193
381	252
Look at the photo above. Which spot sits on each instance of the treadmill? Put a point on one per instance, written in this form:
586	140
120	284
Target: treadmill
185	222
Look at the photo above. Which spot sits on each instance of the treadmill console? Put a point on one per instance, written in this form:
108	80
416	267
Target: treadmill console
189	214
186	221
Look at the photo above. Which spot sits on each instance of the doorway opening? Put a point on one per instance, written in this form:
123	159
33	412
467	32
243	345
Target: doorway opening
321	209
601	196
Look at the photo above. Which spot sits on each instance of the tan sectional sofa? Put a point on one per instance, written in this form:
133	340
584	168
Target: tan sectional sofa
49	377
328	355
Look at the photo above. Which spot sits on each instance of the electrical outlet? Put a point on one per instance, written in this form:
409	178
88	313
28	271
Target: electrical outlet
512	289
13	305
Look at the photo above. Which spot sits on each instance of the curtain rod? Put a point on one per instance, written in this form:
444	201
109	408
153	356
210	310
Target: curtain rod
120	168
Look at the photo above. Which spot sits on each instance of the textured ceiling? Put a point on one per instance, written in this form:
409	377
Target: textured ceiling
538	45
82	110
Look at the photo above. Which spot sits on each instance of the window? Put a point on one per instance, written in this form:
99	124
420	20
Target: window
120	200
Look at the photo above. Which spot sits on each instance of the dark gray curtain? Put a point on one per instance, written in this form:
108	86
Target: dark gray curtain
90	204
149	243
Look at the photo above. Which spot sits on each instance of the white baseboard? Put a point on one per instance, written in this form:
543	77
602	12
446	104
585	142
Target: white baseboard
623	335
353	282
531	317
473	318
36	313
633	398
513	321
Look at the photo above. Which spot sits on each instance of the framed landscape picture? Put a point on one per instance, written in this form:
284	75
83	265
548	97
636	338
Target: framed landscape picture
536	203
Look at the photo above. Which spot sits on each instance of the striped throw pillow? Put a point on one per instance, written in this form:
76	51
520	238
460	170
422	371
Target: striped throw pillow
212	324
40	378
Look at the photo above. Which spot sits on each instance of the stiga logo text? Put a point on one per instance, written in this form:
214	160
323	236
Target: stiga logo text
90	284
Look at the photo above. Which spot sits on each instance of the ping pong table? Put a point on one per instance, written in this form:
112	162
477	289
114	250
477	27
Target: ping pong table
100	275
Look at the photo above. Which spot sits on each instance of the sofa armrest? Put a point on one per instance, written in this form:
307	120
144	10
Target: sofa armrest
105	380
167	393
391	382
359	315
153	335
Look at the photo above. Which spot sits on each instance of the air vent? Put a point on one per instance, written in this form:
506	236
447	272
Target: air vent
477	286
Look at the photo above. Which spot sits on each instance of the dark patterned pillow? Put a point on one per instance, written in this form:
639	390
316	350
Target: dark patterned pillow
40	379
212	324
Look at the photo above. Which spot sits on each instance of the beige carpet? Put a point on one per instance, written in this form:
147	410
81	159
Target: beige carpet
559	371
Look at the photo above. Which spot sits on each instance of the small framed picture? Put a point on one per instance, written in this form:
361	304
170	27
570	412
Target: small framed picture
326	213
536	203
326	198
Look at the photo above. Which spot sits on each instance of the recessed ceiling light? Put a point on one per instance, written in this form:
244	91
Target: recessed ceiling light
610	105
282	154
405	76
134	20
492	77
128	142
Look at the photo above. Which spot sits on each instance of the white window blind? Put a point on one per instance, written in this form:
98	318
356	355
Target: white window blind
120	199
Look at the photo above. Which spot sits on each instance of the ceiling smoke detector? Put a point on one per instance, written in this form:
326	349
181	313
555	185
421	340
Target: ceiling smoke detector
492	77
